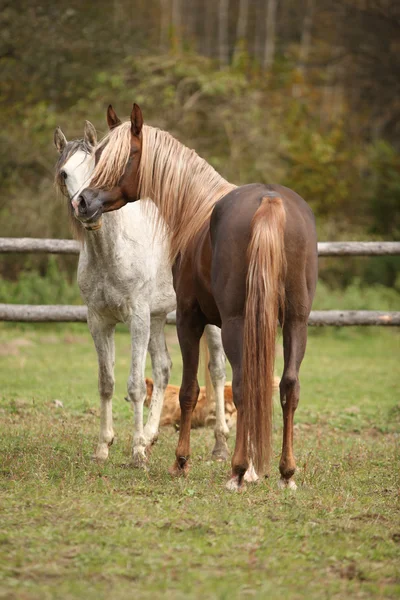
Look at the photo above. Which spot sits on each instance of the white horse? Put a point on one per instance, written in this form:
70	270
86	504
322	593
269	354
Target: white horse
125	277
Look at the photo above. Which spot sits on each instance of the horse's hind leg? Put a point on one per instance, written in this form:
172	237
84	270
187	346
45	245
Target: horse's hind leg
190	326
161	368
232	337
140	334
294	346
217	373
103	337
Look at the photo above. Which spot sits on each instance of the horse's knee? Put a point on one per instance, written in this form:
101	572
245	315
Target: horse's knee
136	390
237	391
289	390
188	396
106	385
217	370
166	372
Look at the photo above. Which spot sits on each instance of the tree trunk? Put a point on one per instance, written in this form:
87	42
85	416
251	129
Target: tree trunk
223	24
164	23
208	28
305	43
176	25
191	14
269	49
258	33
241	27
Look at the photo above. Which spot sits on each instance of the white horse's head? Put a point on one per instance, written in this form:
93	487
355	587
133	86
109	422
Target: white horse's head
75	167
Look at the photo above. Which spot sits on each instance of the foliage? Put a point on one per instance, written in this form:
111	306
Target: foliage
306	126
357	296
385	192
52	287
32	288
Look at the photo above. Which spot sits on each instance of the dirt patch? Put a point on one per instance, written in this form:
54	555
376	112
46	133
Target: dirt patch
13	347
74	339
49	339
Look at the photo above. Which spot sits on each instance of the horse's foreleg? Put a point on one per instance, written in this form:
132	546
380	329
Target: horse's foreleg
218	377
294	346
161	368
103	337
140	334
190	327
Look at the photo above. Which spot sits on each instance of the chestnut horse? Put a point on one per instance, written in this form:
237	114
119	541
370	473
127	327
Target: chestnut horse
242	258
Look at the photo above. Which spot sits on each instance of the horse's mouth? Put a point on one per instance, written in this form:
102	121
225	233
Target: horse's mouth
94	222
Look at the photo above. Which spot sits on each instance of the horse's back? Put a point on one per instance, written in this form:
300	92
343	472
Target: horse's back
231	230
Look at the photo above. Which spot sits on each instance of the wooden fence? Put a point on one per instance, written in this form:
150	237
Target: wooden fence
63	313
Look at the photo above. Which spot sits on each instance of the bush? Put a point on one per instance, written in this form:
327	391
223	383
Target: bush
32	288
356	296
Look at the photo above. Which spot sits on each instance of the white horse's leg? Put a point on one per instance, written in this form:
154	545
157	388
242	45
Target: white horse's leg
217	373
161	367
103	337
140	334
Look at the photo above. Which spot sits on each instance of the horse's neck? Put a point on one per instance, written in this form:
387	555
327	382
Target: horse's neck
105	242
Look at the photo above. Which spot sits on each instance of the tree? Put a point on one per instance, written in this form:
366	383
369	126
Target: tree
223	32
269	48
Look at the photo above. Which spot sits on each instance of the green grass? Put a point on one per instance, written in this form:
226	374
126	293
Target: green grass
71	528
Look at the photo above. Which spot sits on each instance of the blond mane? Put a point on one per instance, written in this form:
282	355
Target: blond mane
115	148
183	186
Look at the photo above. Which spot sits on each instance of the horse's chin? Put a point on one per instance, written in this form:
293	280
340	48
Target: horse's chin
95	226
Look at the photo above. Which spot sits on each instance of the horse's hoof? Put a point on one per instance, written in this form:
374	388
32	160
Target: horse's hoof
287	484
251	476
100	458
235	485
101	453
149	448
177	471
220	454
139	459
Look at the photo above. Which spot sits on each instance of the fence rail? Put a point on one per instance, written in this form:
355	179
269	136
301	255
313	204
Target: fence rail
52	246
42	245
67	314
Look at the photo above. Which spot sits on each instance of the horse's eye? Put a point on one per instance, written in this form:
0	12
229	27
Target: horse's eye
64	174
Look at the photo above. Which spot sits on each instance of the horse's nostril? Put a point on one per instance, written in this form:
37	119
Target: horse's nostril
82	204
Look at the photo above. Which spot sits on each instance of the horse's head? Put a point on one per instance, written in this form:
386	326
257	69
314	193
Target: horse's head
115	181
75	165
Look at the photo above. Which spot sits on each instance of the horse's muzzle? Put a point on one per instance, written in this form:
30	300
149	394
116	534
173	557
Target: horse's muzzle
89	205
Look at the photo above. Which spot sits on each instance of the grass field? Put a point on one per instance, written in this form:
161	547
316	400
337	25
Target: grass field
71	528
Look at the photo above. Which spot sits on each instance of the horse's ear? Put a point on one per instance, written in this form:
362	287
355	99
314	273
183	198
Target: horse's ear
112	119
90	134
60	141
136	120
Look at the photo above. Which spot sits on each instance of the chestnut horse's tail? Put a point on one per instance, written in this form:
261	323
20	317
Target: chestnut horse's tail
265	293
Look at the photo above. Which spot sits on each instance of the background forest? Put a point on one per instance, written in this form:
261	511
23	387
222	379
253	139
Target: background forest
300	92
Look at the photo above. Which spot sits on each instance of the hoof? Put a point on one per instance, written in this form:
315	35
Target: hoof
235	485
101	453
139	458
287	484
149	448
179	471
220	454
251	476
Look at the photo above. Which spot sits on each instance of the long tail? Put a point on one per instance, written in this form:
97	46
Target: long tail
264	296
